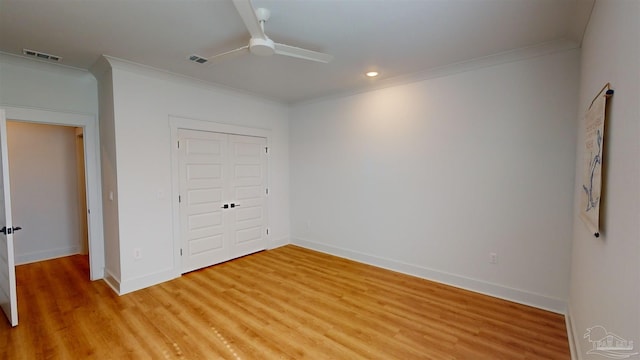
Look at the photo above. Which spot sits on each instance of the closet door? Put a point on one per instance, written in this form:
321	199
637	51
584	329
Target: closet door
223	182
248	184
203	185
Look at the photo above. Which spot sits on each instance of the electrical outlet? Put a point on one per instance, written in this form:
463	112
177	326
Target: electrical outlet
137	253
493	258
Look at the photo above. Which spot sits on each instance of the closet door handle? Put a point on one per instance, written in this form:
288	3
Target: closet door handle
232	205
8	231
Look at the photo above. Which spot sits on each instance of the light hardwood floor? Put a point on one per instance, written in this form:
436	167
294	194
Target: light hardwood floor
287	303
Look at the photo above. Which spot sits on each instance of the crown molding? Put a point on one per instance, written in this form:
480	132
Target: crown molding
515	55
130	66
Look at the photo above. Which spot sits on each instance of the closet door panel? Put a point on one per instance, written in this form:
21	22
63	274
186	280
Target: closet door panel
248	179
203	189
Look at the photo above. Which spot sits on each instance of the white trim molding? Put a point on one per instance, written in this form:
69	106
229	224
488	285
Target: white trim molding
46	255
92	171
572	336
178	122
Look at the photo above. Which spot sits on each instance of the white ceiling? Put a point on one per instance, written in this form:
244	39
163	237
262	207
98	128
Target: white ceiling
395	37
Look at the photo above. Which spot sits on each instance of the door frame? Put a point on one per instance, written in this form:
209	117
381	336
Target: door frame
178	122
92	172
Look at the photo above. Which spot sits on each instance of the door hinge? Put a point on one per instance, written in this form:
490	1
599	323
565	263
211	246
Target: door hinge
178	144
179	198
89	211
266	191
267	231
180	252
266	150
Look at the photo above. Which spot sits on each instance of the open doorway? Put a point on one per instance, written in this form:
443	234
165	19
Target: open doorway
48	191
89	124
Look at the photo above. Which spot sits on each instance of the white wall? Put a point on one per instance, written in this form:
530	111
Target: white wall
143	101
102	72
605	273
430	177
39	92
42	167
34	84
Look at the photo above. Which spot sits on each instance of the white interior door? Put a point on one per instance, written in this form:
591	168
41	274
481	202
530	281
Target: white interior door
203	182
8	298
248	168
222	197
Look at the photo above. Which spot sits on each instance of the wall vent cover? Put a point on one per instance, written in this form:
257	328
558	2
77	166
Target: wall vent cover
41	55
197	58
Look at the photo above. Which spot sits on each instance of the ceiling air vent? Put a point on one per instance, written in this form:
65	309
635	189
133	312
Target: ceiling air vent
198	59
41	55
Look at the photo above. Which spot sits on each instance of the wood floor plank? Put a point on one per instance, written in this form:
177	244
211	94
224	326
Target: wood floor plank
286	303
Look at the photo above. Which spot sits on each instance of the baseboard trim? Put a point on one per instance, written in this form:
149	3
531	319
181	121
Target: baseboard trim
134	284
278	243
574	341
112	281
479	286
32	257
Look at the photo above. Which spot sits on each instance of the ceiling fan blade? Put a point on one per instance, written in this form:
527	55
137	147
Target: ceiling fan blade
248	15
300	53
229	54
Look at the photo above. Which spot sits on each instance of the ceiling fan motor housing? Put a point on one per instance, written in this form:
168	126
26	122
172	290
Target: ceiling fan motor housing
260	44
262	47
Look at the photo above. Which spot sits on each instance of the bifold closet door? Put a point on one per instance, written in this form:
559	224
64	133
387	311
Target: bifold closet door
222	197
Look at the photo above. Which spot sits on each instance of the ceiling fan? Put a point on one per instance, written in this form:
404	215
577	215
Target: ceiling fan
260	44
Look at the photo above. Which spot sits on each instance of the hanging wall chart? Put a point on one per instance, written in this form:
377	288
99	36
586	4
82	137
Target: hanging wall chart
593	150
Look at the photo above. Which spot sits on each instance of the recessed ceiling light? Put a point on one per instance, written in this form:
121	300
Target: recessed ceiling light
372	74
